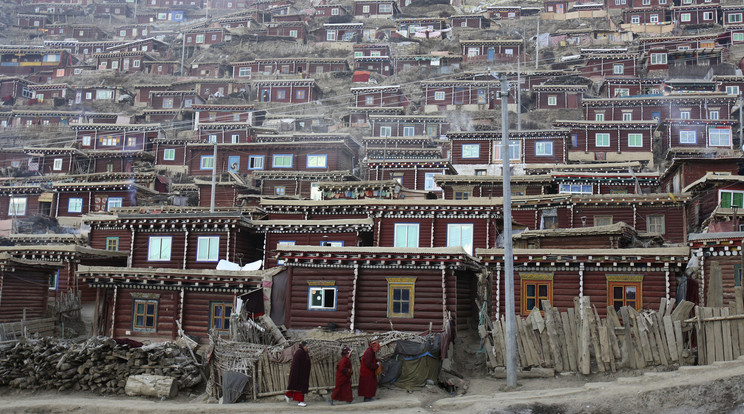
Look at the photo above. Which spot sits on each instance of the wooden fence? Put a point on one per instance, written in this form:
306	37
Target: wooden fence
15	330
578	340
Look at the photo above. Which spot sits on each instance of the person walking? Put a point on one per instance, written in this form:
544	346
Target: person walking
368	371
342	390
299	376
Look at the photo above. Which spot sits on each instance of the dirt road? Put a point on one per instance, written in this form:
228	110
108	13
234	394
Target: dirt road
718	388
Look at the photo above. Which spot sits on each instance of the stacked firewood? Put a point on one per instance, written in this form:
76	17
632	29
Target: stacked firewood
99	364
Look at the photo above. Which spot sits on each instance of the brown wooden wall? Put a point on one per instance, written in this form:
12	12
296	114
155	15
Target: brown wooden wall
168	311
197	310
304	239
23	290
297	313
727	265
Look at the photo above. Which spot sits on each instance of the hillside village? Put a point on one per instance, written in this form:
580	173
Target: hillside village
338	164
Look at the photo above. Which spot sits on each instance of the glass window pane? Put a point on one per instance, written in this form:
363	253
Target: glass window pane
150	321
404	307
139	321
617	292
543	291
531	290
140	308
630	292
150	308
396	294
405	294
530	304
329	296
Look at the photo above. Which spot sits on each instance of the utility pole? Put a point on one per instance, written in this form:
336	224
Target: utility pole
183	52
519	91
214	177
537	44
511	338
741	120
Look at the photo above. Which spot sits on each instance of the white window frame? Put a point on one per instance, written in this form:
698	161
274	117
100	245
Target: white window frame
75	205
277	160
719	137
552	100
156	244
658	58
17	206
430	183
685	17
734	17
208	248
409	231
618	69
732	89
439	95
635	140
543	148
255	162
317	161
462	235
169	154
57	165
604	136
114	202
409	131
386	131
470	151
322	291
206	162
687	136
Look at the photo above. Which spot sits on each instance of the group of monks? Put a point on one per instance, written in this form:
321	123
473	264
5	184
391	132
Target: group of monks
299	375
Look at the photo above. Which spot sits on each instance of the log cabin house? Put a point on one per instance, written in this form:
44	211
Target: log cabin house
682	172
559	96
719	257
662	107
492	51
375	9
212	113
409	125
601	63
25	287
418	289
286	90
696	14
412	174
699	136
715	193
114	137
288	66
379	96
611	140
465	95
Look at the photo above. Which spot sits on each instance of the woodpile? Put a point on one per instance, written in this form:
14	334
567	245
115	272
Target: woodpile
99	365
578	340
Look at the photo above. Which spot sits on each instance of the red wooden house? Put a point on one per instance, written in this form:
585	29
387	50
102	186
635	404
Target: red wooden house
379	96
286	66
128	62
621	87
637	277
504	12
498	51
24	200
75	199
116	137
701	41
697	14
339	32
85	95
328	10
76	31
246	21
12	88
411	174
719	257
414	296
661	107
647	15
715	196
433	64
596	182
698	137
559	96
469	21
174	99
684	171
226	132
468	95
608	62
150	45
213	88
476	151
206	36
375	9
732	85
561	6
732	15
112	9
379	64
409	125
300	184
25	287
32	21
211	113
286	90
48	92
162	67
293	29
134	31
620	140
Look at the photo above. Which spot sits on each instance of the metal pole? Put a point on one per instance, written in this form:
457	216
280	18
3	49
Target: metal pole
214	178
183	51
519	92
741	120
537	44
511	338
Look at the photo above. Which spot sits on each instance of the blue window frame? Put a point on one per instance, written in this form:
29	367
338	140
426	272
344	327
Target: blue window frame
543	148
282	161
332	243
233	163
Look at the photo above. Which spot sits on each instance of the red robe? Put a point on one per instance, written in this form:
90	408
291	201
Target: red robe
342	391
299	372
367	376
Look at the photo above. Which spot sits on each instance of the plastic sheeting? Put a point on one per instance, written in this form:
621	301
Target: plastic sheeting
413	363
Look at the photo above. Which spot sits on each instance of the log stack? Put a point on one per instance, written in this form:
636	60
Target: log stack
99	365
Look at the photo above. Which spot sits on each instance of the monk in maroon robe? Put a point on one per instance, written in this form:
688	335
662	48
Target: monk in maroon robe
342	391
368	372
299	376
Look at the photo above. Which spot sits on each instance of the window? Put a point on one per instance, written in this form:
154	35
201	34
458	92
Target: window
635	140
369	100
733	90
220	319
136	63
627	116
17	206
470	150
602	139
624	293
738	37
400	296
131	141
282	161
300	94
658	58
235	138
598	117
408	131
159	248
317	161
200	38
635	19
114	65
618	69
293	33
334	12
654	18
713	115
544	148
687	137
656	224
575	189
406	235
169	154
75	205
112	244
255	162
386	131
462	195
365	9
207	248
536	287
385	8
685	17
114	202
330	36
737	275
54	280
57	166
480	172
167	103
719	137
439	95
515	150
552	100
321	296
122	33
602	220
460	234
280	190
728	199
145	315
707	15
214	37
207	162
684	115
735	18
429	183
244	72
